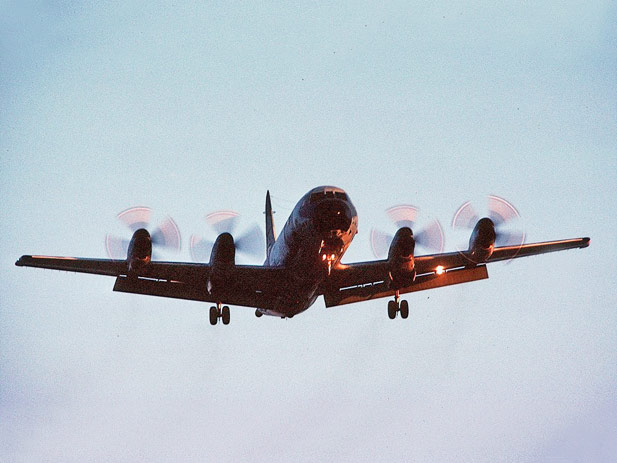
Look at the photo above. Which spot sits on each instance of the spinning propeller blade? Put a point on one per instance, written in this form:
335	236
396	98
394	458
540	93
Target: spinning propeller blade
249	243
507	220
429	235
165	236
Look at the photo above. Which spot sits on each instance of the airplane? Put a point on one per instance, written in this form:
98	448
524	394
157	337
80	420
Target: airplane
303	263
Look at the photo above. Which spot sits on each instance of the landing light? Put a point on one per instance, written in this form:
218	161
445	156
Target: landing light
440	270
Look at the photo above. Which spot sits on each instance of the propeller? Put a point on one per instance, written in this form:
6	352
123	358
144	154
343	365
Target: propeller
250	243
429	235
165	236
507	220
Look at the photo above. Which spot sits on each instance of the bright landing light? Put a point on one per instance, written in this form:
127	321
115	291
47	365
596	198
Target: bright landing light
439	270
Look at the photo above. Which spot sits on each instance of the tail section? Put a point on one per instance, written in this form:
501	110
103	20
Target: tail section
270	237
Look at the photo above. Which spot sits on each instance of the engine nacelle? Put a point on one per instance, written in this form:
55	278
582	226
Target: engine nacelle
400	258
223	252
140	250
222	259
482	241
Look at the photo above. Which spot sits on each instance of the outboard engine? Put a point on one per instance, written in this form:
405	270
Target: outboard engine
400	258
140	250
482	241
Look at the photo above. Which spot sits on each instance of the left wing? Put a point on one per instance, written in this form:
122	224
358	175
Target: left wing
248	285
370	280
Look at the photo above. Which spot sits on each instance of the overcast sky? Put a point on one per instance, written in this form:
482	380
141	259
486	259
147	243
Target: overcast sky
190	108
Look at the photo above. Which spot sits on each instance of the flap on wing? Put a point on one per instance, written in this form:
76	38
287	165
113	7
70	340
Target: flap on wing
422	282
358	273
175	289
238	295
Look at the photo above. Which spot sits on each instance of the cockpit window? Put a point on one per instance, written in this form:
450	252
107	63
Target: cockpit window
328	194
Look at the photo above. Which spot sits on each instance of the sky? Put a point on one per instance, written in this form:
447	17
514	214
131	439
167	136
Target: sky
190	108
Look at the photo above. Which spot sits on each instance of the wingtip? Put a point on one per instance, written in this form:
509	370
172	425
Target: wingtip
21	261
586	242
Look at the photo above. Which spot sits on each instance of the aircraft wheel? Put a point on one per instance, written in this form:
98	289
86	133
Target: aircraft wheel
214	315
404	309
225	315
392	309
258	313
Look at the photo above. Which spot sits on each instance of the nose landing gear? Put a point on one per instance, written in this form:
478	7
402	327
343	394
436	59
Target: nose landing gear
398	306
219	311
330	249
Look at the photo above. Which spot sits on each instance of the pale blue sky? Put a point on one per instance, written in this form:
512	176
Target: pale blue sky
196	107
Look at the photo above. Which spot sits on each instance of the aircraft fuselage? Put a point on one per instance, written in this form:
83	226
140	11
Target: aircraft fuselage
316	235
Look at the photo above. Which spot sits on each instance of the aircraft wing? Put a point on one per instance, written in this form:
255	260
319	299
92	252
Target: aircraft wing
370	280
248	285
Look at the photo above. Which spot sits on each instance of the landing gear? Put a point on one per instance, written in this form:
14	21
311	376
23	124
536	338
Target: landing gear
398	306
392	309
258	313
225	315
217	312
214	315
404	309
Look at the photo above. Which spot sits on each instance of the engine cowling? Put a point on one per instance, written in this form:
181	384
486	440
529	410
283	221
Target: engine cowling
222	259
224	251
401	260
140	250
482	241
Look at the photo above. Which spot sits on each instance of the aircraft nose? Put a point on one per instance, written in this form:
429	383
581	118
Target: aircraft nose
333	215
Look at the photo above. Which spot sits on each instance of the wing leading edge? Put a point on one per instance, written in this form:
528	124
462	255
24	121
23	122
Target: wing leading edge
369	280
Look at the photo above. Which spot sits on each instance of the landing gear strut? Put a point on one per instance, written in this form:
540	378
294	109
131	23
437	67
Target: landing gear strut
398	306
219	311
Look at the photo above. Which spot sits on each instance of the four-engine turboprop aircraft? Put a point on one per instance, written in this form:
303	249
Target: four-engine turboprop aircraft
303	263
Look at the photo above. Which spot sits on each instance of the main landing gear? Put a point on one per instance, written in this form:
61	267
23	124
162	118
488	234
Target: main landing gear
217	312
398	306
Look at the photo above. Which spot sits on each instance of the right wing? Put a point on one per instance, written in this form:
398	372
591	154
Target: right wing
248	285
76	264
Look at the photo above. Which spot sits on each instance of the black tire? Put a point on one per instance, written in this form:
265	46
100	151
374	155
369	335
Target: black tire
392	309
258	313
225	315
404	309
214	315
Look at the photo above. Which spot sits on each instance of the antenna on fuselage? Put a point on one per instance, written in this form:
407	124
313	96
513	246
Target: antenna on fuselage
270	236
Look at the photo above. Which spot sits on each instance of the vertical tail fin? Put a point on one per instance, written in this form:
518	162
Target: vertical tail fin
270	237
